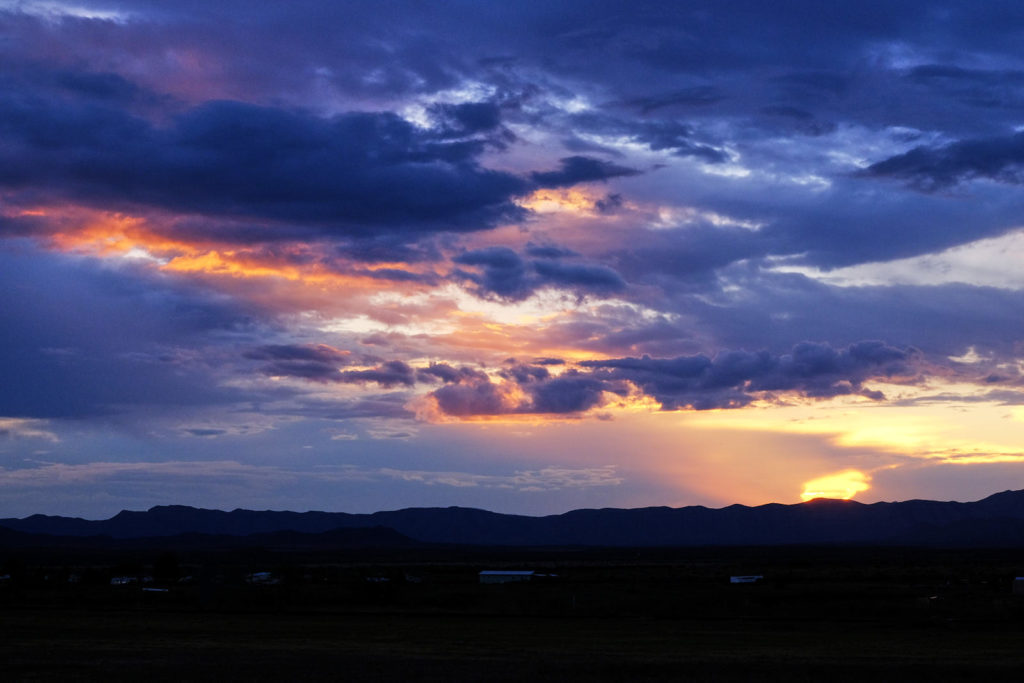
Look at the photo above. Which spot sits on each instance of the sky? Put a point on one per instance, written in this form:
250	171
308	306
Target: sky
528	257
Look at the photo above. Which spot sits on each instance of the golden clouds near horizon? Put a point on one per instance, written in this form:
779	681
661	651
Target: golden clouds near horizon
839	485
572	200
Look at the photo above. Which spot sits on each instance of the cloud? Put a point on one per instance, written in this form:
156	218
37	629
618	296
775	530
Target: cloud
688	256
657	134
935	168
82	340
580	169
26	429
551	251
466	119
550	478
389	374
777	311
478	396
348	180
316	362
354	174
322	364
735	378
504	274
732	379
57	475
569	393
522	389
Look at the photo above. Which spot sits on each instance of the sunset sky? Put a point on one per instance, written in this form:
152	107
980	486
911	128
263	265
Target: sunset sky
521	256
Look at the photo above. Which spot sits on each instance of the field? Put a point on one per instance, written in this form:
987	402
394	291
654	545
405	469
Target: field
838	614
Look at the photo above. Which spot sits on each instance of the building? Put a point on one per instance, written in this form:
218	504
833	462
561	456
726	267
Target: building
505	576
750	578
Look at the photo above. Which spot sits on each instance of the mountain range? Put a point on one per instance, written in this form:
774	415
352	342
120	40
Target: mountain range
996	521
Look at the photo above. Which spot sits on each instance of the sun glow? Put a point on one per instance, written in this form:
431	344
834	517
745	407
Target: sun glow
840	485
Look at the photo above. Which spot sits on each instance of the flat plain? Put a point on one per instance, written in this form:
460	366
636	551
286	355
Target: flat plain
623	615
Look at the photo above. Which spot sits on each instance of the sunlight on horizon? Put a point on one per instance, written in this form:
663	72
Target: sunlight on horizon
840	485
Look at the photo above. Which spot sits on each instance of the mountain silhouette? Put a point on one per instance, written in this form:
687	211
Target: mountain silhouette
996	521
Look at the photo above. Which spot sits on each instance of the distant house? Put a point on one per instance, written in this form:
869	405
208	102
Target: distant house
261	579
749	578
505	576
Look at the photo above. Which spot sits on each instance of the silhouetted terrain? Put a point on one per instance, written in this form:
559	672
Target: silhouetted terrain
177	593
996	521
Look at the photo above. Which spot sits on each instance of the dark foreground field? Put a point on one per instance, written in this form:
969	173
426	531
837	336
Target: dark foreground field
833	614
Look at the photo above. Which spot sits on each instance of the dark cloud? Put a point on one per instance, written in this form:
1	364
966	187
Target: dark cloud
526	389
399	275
389	374
580	276
609	204
316	362
448	374
389	248
355	173
580	169
506	275
858	222
735	378
935	168
467	119
732	379
675	138
317	353
323	364
477	396
569	393
658	134
523	373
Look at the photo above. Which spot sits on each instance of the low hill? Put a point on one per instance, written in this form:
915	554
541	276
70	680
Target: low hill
996	521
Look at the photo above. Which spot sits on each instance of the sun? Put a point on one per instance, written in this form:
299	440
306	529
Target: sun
842	485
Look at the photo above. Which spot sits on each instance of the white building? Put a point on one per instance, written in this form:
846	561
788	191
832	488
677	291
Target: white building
749	578
505	576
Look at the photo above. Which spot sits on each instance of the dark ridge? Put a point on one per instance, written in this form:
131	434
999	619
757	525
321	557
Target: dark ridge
996	521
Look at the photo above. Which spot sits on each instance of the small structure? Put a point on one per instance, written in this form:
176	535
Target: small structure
505	576
1018	585
749	578
261	579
